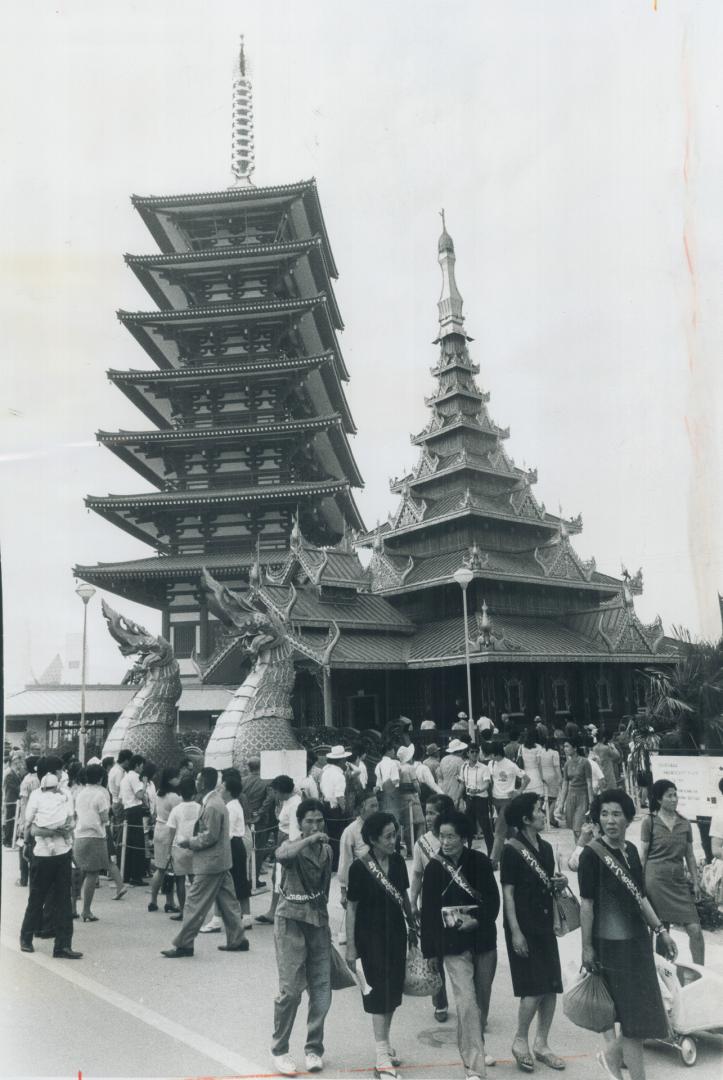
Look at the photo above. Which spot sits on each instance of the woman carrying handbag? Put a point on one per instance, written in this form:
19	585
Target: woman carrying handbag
529	888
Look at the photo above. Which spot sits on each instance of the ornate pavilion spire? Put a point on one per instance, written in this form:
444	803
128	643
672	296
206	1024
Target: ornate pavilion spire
242	148
451	319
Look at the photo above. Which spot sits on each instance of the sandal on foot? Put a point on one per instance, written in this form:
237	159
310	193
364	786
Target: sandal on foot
89	917
524	1060
266	919
441	1016
551	1060
120	894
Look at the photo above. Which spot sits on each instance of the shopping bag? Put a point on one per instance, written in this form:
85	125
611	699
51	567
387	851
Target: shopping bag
342	976
421	977
566	912
588	1003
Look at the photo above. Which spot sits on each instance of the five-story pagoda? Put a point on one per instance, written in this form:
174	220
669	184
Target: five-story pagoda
249	424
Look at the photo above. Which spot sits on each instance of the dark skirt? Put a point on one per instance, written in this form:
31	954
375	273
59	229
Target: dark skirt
628	968
384	959
239	872
539	972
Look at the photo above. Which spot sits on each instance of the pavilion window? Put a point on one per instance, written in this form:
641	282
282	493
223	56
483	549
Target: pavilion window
514	696
66	729
604	694
561	695
184	640
639	691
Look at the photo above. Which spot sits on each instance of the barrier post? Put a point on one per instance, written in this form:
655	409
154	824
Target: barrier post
254	879
411	831
547	805
124	844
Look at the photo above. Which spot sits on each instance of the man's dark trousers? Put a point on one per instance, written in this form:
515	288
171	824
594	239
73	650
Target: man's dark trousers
50	878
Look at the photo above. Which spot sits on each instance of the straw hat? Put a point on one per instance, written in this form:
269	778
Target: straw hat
456	746
337	753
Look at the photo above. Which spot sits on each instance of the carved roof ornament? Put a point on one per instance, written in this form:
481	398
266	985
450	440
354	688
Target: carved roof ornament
475	559
634	583
243	158
385	573
466	501
378	542
621	629
559	559
488	638
427	465
410	512
522	500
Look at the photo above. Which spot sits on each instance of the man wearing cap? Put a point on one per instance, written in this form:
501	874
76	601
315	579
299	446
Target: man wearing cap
449	769
332	787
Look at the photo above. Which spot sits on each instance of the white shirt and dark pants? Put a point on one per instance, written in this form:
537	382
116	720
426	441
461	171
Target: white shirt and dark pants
477	780
332	787
131	792
50	879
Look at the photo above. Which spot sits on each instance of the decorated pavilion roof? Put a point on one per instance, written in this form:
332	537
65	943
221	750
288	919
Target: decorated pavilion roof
179	567
426	572
360	610
518	638
153	208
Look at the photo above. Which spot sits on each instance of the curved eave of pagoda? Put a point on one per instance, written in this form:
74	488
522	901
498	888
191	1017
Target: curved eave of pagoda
130	512
449	395
133	446
424	437
147	326
154	209
469	367
150	268
142	387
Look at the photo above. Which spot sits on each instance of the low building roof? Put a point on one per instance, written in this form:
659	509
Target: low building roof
65	700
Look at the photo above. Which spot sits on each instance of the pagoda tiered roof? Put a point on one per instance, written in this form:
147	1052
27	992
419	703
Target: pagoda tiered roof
161	333
172	279
145	515
166	215
150	389
137	447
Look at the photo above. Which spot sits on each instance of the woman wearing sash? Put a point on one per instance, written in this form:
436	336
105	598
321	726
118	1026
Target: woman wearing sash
425	849
378	926
460	903
616	919
528	879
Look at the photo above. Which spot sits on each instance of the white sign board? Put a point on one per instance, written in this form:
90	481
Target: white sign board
283	763
696	779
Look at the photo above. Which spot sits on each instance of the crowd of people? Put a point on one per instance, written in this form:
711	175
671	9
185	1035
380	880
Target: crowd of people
406	838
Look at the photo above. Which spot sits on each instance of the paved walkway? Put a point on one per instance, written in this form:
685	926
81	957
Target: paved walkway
124	1011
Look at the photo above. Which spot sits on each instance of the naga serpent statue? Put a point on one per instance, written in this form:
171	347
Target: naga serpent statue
146	725
258	716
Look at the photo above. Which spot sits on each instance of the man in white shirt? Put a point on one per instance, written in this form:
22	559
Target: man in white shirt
485	727
332	787
505	776
476	779
352	846
51	865
117	773
132	795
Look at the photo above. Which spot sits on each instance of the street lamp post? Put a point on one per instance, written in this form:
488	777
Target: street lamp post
86	593
463	576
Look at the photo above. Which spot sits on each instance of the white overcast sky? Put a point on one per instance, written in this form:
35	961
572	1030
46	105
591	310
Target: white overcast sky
577	151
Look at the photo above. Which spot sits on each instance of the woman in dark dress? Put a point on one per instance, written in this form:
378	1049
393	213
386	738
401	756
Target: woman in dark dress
378	928
528	878
615	920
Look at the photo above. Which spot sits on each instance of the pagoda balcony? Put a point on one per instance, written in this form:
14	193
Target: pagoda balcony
443	425
236	217
243	333
237	275
160	393
164	518
150	452
448	393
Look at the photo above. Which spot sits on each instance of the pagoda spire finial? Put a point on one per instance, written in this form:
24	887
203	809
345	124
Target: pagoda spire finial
242	145
451	319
